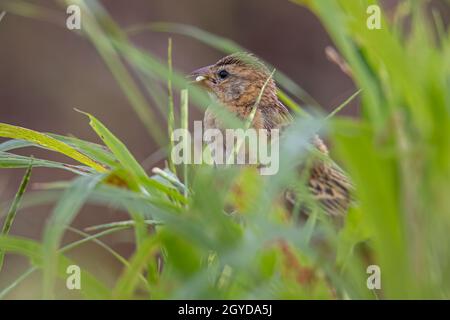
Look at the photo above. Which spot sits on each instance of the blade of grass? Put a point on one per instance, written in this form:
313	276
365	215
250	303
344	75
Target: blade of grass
17	281
94	238
14	207
66	248
117	147
14	132
127	223
127	160
96	151
343	105
65	211
171	114
128	280
92	288
9	160
154	89
184	107
138	180
170	177
288	102
15	144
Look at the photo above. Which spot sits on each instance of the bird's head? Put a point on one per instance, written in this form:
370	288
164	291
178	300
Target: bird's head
236	81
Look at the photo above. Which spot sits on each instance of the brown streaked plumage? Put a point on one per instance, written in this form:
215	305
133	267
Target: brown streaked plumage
236	82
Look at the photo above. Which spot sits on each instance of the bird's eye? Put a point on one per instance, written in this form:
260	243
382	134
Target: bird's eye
223	74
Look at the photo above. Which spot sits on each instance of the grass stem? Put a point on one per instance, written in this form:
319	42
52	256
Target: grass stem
15	205
171	114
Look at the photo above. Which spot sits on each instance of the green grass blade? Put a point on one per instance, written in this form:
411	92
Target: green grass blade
94	238
171	113
128	223
127	160
96	151
168	176
343	105
14	207
87	238
91	287
14	132
63	214
9	160
17	281
13	144
128	280
184	116
117	147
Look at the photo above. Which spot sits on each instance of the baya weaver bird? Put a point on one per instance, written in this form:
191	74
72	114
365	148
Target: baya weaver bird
236	82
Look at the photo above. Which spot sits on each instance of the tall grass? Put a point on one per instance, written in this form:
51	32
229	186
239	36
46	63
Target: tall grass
397	154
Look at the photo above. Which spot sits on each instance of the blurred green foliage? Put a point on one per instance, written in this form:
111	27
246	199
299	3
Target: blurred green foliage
397	154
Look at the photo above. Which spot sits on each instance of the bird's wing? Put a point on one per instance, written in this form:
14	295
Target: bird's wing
276	117
331	187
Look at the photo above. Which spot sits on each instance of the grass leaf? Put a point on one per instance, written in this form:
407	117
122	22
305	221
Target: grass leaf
63	214
14	132
9	160
14	207
171	113
91	287
128	280
117	147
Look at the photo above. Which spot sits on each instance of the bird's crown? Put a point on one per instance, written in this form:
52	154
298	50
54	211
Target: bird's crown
244	59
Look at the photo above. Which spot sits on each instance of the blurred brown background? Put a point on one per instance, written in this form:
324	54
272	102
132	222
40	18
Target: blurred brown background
46	71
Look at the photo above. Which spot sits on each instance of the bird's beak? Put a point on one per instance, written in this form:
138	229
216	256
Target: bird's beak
201	74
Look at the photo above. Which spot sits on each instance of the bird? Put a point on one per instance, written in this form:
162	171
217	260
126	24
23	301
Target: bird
237	81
